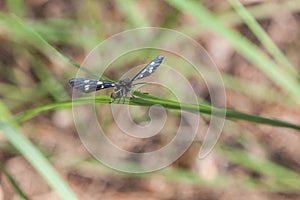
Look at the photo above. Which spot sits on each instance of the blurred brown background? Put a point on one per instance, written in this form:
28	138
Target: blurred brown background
250	161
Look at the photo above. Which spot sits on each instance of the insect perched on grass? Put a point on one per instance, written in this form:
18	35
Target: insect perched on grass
122	87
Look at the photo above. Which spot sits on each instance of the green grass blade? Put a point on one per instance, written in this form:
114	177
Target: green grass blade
243	46
261	11
149	100
40	42
128	8
34	156
262	36
25	115
13	182
48	82
16	6
206	109
291	180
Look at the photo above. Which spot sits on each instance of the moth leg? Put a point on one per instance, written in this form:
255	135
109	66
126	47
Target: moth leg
112	97
112	100
131	94
121	96
124	95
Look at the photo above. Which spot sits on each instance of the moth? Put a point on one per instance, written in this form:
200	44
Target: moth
122	88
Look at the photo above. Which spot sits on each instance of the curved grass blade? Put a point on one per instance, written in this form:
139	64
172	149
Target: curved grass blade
242	45
25	115
13	182
34	156
262	36
39	40
284	178
149	100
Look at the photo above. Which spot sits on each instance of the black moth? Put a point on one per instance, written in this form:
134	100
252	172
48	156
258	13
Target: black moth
122	87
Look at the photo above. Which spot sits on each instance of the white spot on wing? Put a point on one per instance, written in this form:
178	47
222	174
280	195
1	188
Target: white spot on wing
86	81
150	69
86	87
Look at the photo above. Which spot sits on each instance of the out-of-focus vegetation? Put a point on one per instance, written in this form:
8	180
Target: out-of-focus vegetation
41	42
